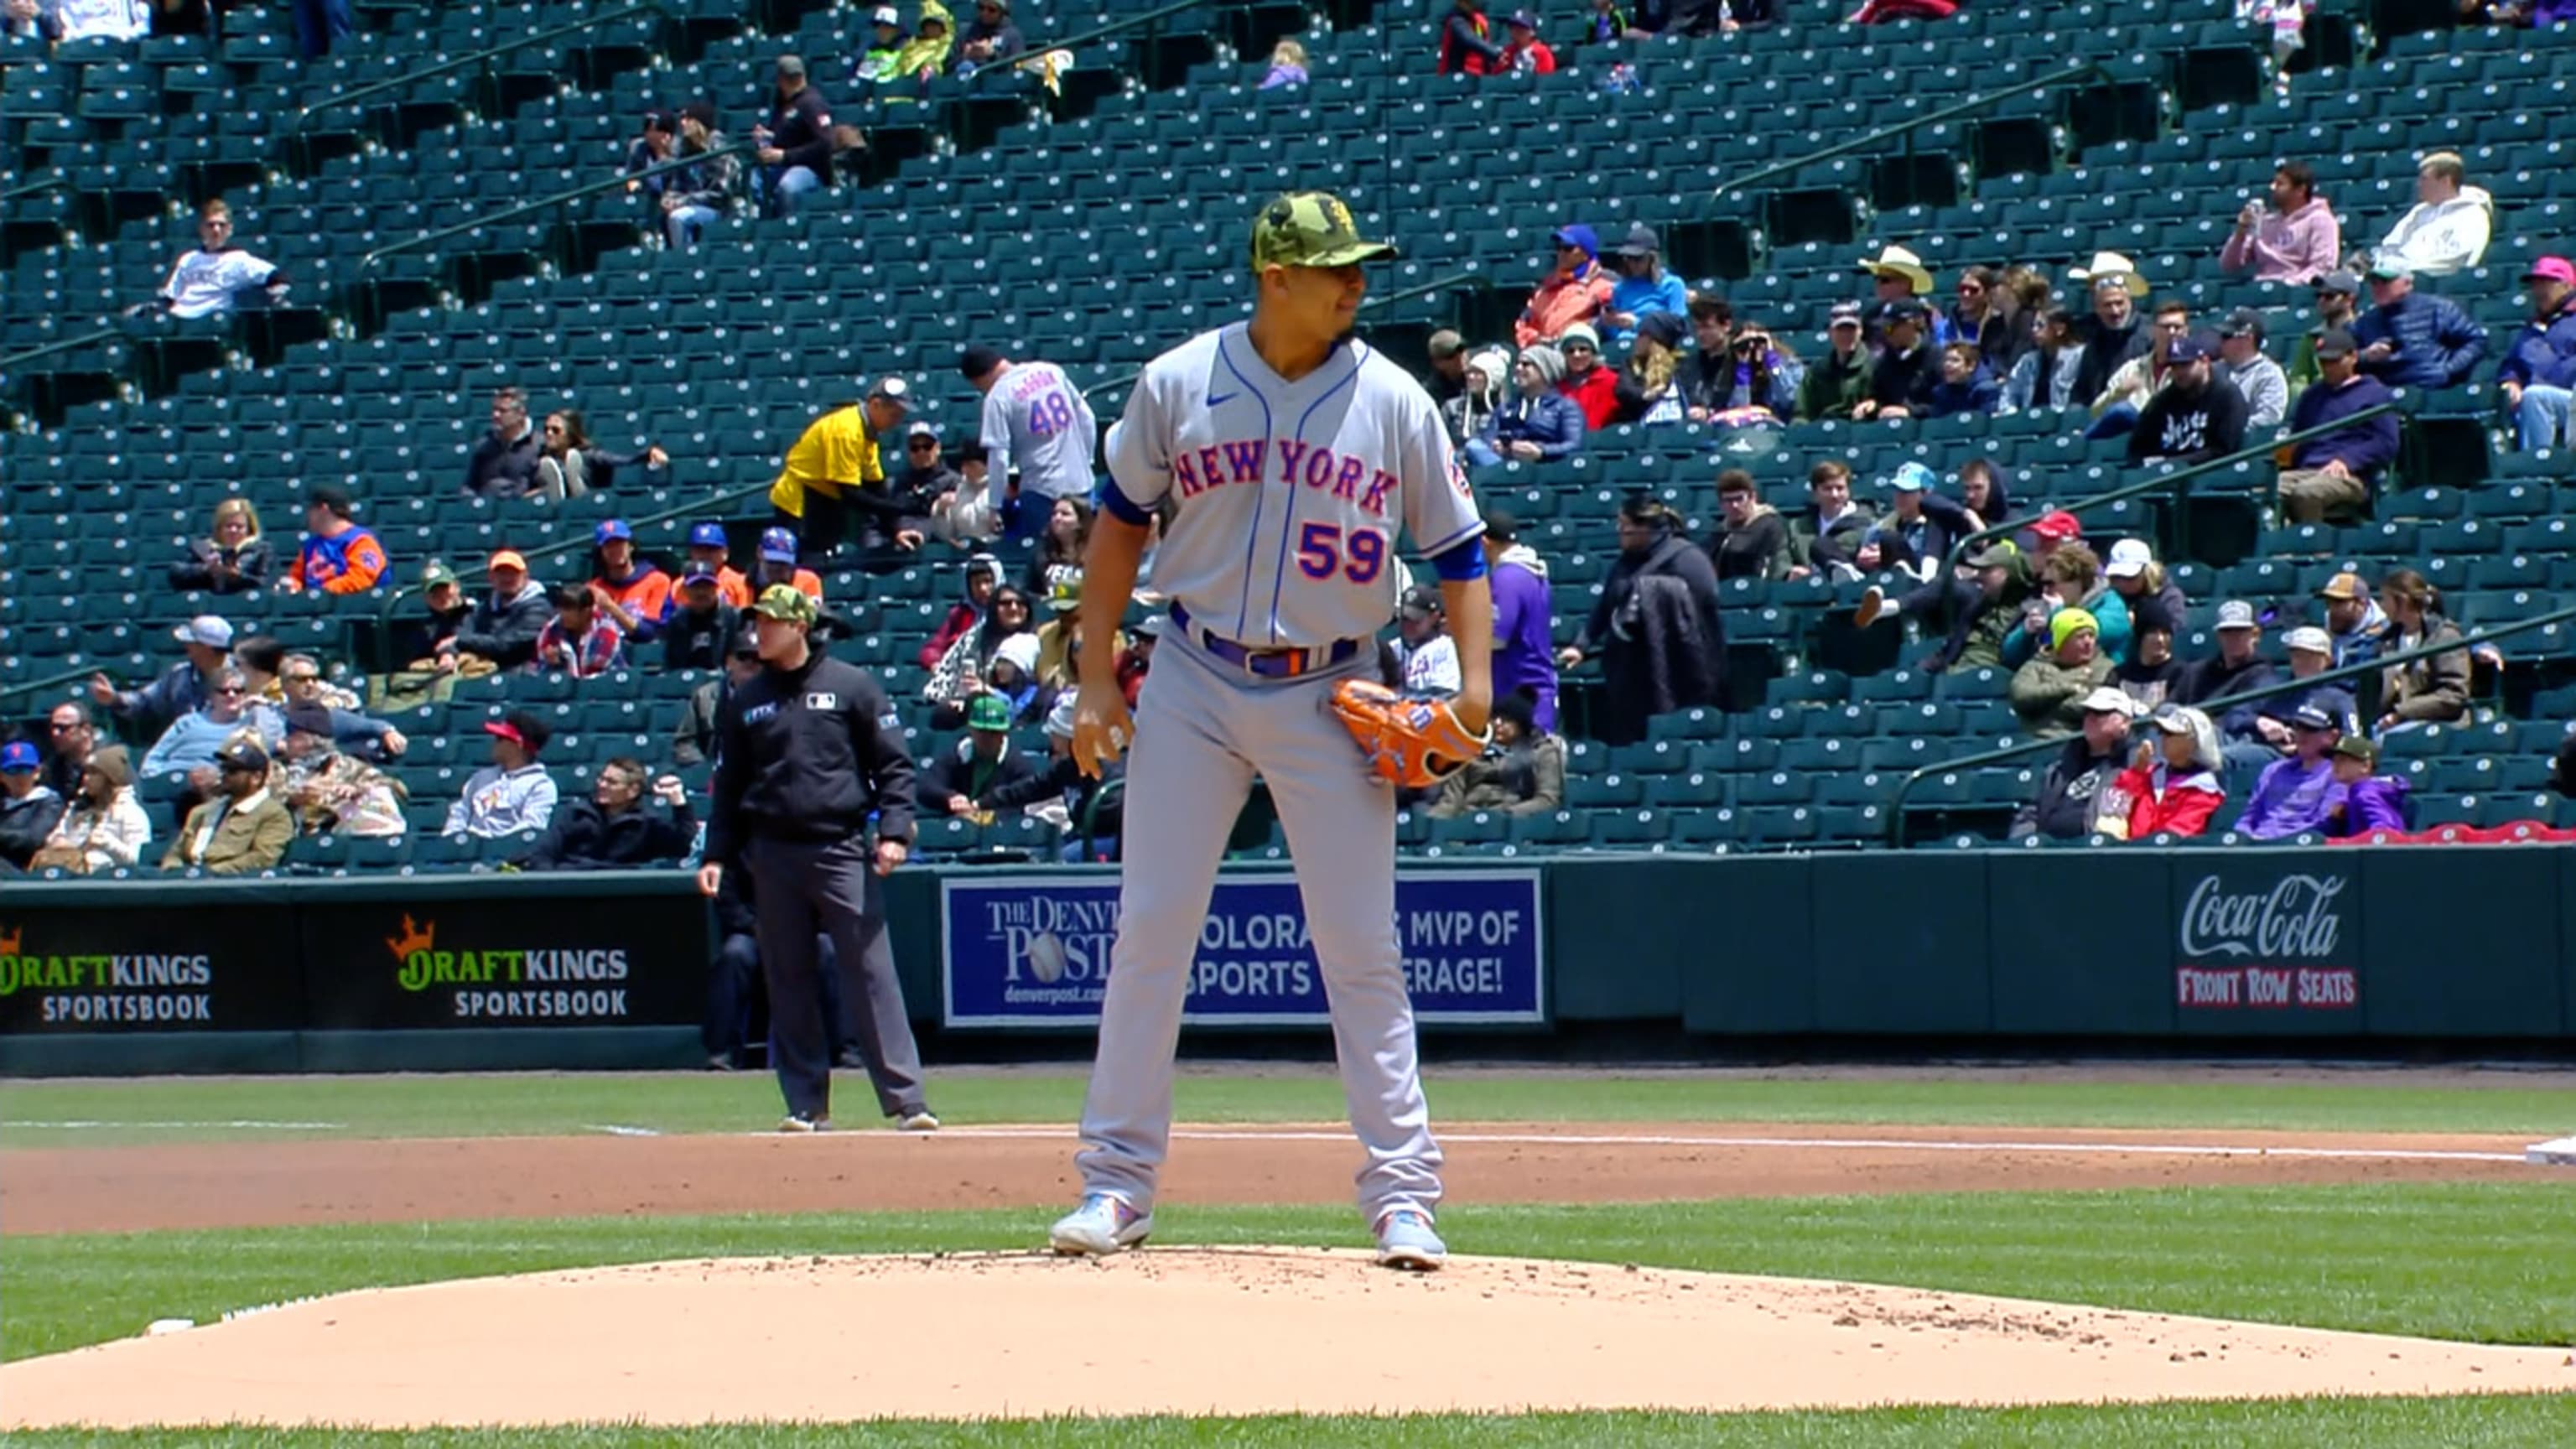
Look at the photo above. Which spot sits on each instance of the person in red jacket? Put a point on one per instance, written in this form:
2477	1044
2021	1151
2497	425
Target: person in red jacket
2173	785
1523	52
1467	41
1594	388
983	575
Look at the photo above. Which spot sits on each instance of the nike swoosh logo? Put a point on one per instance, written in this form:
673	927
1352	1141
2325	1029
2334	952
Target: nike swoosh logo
1218	397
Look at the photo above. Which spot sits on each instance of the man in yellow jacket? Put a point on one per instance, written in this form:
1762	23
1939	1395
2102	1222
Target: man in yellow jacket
838	451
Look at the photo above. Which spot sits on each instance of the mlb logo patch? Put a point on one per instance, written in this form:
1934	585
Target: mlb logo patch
823	700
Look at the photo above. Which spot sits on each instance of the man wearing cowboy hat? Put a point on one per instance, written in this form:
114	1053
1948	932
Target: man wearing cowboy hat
2113	334
1901	277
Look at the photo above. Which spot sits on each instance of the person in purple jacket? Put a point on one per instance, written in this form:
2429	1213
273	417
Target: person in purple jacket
2370	802
2299	793
1524	618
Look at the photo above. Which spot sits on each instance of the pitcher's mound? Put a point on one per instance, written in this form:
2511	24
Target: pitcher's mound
1183	1331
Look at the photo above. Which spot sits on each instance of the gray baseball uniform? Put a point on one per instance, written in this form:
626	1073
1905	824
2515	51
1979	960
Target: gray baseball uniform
1036	421
1291	497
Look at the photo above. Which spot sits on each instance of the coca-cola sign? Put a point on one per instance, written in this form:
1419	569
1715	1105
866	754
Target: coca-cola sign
2256	941
2297	919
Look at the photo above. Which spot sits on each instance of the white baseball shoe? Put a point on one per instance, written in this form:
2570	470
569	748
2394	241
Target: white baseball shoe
804	1122
1101	1226
918	1120
1405	1240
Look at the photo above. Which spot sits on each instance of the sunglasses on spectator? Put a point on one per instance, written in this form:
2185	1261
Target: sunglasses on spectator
1972	286
924	445
231	689
1581	347
554	427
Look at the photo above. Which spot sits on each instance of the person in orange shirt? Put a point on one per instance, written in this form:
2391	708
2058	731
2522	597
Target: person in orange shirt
1575	290
708	550
630	590
337	556
778	565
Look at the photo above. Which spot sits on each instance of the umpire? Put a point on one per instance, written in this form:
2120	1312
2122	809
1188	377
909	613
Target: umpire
806	751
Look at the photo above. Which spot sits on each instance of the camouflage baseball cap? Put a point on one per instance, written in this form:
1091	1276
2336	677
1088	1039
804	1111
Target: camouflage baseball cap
1311	229
786	602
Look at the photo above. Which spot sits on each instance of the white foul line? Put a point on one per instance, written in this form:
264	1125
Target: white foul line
1834	1144
11	1124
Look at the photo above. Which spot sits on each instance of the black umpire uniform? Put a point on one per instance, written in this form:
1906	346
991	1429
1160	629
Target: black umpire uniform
803	757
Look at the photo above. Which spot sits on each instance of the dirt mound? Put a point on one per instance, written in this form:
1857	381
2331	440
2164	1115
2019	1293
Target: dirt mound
1187	1331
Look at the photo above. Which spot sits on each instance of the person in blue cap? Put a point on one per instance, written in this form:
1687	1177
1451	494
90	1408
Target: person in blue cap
27	809
1575	290
630	590
709	550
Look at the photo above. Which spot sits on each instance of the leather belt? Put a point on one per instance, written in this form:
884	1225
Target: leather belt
1283	662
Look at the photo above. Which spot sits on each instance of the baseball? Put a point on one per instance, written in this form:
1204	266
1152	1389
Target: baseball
1046	958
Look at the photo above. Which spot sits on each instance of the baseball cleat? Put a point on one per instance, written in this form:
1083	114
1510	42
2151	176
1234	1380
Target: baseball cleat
916	1120
1405	1240
804	1122
1102	1225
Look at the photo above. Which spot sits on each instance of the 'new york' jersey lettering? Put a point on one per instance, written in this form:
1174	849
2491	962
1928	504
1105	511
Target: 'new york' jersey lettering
1290	495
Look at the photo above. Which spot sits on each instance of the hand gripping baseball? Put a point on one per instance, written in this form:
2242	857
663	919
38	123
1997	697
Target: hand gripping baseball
1101	727
1412	742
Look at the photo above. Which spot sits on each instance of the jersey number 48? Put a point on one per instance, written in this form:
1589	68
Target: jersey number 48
1323	550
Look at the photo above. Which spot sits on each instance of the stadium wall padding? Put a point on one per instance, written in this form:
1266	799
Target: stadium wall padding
608	970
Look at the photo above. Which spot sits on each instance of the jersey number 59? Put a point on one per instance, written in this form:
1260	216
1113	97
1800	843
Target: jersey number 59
1323	550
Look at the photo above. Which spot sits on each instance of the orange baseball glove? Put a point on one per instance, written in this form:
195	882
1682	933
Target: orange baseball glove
1412	742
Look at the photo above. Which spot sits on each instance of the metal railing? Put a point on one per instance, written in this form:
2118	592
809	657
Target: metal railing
1988	101
481	58
471	573
560	198
35	188
2177	481
1904	788
38	686
15	360
1419	289
1149	20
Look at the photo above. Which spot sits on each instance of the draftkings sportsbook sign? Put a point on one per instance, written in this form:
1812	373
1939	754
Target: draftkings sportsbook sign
494	962
143	971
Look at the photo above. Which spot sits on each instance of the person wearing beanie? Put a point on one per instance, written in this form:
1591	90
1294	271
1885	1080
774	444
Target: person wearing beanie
1536	423
1521	773
244	828
1481	383
1594	388
2048	692
1576	289
103	826
333	792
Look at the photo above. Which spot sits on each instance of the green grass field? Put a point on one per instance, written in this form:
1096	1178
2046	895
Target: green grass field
86	1113
2484	1262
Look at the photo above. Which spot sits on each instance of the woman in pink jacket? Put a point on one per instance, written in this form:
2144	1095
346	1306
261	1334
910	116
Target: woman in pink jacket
2296	241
